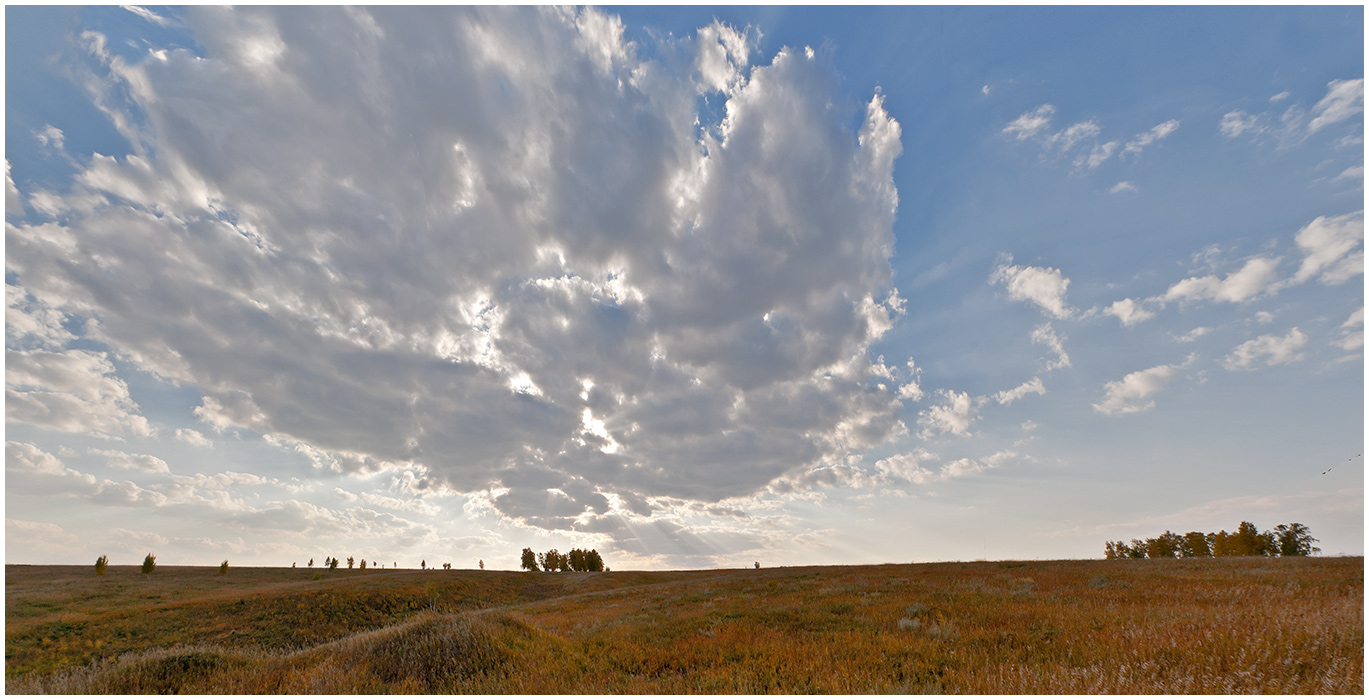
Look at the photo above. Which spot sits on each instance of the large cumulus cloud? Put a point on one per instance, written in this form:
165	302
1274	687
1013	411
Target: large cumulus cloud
503	249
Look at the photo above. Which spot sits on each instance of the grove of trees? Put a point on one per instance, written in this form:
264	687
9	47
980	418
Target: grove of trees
1294	540
552	560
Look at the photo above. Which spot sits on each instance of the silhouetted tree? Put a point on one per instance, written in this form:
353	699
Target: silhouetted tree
1137	550
223	568
1295	540
593	561
482	564
363	566
1166	546
101	564
423	564
1223	545
529	559
350	561
332	564
149	563
1250	542
1246	541
550	560
311	562
1195	544
1116	550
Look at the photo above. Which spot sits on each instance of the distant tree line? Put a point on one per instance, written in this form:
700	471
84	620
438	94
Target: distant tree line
552	560
577	560
1293	540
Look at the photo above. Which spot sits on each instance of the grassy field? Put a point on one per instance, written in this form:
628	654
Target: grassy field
1232	625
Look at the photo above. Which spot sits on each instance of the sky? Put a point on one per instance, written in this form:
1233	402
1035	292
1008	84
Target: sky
695	287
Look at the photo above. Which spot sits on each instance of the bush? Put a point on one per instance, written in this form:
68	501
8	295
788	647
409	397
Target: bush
101	564
223	568
149	563
332	564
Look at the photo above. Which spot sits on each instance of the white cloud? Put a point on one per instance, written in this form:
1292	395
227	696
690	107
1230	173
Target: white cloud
30	323
1269	349
148	15
1031	386
1237	122
909	466
1099	155
1352	339
1071	136
74	391
13	204
1129	312
308	243
1042	286
31	471
1193	335
193	437
912	389
1353	173
1031	123
22	534
1045	335
1131	394
1333	247
1280	97
133	462
1254	278
51	137
1036	125
1144	140
953	416
966	466
1344	99
1121	187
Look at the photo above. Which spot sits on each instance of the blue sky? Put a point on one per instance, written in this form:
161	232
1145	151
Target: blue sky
693	286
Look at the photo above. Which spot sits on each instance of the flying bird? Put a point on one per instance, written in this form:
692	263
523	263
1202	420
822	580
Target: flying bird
1328	471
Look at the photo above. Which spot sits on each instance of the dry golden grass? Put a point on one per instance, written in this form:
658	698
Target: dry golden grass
1233	625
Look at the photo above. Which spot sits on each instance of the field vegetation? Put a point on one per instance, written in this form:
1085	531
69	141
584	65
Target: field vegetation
1228	625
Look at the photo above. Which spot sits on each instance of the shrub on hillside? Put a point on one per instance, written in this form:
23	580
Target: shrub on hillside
149	563
223	568
101	564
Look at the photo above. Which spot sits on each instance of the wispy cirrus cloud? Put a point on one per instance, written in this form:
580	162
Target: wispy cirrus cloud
1035	125
1344	99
